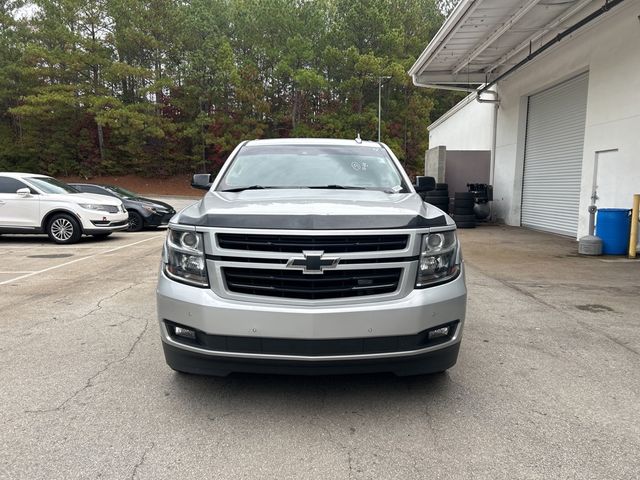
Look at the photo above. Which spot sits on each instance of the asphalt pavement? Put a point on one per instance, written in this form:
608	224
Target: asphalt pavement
547	384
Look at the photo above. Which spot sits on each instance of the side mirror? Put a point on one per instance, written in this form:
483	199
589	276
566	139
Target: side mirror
425	184
202	181
23	192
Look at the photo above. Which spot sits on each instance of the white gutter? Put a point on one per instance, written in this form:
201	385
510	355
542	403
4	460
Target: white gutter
442	87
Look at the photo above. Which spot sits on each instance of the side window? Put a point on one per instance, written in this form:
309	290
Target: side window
104	191
10	185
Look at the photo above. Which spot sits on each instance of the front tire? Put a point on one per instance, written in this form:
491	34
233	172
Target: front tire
63	229
135	221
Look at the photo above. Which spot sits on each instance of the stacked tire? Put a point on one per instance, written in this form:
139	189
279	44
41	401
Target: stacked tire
463	213
438	197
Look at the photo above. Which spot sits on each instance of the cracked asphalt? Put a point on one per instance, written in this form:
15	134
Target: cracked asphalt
547	384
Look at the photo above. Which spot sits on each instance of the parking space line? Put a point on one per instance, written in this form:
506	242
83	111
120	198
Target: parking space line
78	260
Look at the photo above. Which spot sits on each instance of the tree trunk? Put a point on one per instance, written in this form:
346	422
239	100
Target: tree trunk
100	141
295	111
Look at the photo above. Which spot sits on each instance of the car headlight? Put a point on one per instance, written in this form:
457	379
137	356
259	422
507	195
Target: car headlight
149	208
438	259
98	208
184	258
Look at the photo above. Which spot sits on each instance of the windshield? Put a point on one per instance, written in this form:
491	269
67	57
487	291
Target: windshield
121	192
313	166
51	185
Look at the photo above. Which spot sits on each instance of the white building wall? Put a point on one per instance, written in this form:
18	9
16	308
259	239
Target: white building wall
467	126
610	51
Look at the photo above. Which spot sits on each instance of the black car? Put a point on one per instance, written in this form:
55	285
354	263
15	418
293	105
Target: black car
143	212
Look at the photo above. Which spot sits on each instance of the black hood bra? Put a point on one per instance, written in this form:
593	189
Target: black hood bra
313	222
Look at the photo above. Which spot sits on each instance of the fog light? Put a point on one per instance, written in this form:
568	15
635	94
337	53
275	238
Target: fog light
184	332
439	333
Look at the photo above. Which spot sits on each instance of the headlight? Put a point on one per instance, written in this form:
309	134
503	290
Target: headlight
149	208
184	258
98	208
438	258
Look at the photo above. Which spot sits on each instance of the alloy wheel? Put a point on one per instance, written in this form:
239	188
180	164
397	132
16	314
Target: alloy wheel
62	229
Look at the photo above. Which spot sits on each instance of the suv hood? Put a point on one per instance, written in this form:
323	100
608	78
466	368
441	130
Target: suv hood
307	209
136	201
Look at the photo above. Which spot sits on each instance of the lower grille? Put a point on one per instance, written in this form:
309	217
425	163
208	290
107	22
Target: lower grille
295	284
290	346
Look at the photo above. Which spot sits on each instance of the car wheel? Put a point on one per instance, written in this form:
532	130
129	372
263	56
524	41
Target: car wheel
101	235
135	221
63	228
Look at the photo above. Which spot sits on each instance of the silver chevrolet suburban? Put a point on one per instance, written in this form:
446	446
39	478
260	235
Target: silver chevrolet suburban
311	256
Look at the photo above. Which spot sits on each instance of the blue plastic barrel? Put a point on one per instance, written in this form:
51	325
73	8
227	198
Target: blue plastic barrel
613	226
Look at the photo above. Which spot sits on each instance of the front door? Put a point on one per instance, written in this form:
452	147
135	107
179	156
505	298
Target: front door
18	211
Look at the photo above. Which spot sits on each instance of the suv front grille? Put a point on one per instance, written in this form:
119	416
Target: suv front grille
295	284
111	208
326	243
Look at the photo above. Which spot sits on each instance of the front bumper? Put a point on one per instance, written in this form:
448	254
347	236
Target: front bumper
193	362
100	222
158	219
202	310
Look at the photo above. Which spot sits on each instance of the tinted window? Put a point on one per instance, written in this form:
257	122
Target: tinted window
92	189
121	192
10	185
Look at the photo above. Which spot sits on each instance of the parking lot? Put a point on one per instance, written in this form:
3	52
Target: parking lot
547	384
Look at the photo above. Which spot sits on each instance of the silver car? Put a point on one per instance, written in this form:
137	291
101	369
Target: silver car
311	256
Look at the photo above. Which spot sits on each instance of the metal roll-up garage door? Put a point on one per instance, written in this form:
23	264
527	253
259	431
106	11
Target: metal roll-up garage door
553	157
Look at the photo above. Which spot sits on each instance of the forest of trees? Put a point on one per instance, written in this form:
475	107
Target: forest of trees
159	87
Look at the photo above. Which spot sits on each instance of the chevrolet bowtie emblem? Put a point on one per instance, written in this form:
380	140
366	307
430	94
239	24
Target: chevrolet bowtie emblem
314	262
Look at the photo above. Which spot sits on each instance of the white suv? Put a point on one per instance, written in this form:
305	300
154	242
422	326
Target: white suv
31	203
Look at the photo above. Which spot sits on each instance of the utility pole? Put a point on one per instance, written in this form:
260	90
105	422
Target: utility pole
380	103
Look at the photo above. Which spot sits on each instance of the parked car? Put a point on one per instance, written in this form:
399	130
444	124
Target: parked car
143	212
311	256
31	203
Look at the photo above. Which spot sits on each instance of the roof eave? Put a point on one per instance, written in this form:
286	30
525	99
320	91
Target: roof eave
458	14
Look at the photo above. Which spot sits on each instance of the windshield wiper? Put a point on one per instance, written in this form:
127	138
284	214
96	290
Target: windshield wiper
354	187
242	189
337	187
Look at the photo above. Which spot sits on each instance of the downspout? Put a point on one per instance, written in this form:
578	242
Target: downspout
494	135
494	129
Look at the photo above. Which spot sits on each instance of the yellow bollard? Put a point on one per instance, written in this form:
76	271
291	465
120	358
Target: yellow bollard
633	240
